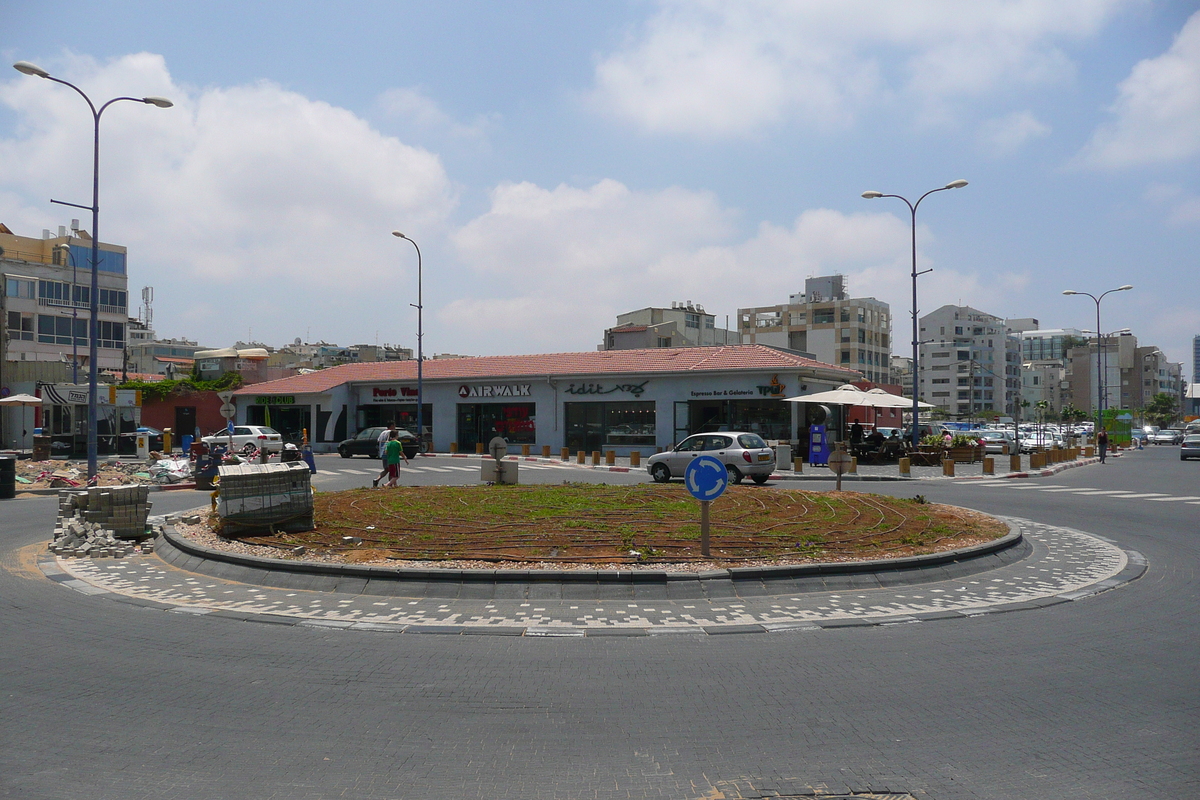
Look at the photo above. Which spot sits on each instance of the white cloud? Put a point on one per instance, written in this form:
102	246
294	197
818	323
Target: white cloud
1184	206
1157	111
717	69
1005	135
555	266
412	105
247	196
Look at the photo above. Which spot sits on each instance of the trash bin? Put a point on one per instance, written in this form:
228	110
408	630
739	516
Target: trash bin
41	447
8	476
185	443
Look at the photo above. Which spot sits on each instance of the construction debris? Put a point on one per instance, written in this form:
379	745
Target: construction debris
56	474
101	521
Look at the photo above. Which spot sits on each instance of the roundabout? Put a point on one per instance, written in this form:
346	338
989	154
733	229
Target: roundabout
186	684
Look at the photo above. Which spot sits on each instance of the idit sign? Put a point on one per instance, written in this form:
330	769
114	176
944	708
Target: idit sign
387	394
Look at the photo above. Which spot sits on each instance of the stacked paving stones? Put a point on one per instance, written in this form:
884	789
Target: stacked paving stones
99	521
273	496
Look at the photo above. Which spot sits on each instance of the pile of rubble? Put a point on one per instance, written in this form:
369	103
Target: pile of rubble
114	472
103	521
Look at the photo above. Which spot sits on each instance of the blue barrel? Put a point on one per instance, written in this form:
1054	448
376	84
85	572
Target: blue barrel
185	442
308	459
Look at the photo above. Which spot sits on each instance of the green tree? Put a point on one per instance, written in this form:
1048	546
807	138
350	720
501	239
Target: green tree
1162	410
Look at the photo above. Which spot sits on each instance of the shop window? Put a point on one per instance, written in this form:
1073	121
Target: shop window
112	335
601	426
822	315
20	287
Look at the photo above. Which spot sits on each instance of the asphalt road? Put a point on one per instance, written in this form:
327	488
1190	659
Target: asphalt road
1092	699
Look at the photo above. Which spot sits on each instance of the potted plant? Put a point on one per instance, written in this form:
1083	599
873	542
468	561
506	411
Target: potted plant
965	448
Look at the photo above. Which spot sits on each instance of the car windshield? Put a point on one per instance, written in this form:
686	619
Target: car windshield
751	441
268	431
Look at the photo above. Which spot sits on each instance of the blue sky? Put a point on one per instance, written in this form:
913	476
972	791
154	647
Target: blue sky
560	163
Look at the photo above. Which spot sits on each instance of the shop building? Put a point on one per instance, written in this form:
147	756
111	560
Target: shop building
619	400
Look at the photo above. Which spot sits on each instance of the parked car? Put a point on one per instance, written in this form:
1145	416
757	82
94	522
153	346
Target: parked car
1166	436
248	437
994	441
743	454
1189	447
366	443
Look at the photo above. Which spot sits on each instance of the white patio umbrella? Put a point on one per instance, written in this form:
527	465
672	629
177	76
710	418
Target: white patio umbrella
881	399
22	400
844	395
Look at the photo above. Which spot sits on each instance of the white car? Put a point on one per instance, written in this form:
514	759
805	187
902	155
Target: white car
994	441
743	454
247	437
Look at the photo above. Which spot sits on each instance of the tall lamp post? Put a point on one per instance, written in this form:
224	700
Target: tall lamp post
1100	398
26	68
1100	338
912	207
420	352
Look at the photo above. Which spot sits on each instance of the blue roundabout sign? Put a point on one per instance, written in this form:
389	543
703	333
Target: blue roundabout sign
706	478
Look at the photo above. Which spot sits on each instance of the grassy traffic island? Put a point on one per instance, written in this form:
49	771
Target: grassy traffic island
585	526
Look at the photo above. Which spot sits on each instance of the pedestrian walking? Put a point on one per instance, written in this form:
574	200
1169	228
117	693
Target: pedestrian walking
393	452
1102	443
384	436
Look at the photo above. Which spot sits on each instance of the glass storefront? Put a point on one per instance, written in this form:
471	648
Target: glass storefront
595	427
770	419
403	414
290	421
479	422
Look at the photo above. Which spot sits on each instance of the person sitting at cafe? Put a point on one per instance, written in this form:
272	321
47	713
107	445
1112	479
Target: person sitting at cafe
876	438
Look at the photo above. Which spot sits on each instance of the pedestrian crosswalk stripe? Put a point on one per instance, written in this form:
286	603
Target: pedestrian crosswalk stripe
1106	491
437	469
1144	494
355	471
1171	499
460	469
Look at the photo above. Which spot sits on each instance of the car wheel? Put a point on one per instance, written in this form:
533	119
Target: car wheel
343	452
248	447
735	474
760	479
660	473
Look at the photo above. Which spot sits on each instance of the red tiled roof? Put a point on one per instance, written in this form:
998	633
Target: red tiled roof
750	357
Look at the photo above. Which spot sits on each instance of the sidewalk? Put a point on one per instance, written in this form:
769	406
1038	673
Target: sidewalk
865	472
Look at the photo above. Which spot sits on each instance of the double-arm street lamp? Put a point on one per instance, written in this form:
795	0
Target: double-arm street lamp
916	368
1100	398
26	68
420	352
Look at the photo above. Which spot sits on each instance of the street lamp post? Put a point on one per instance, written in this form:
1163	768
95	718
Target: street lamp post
912	207
26	68
420	352
1100	395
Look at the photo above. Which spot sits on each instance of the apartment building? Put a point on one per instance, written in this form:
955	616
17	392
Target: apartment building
684	324
1128	375
47	298
828	324
969	362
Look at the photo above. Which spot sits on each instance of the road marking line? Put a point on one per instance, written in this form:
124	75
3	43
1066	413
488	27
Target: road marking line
1106	491
1145	494
1069	489
1172	499
458	469
353	471
437	469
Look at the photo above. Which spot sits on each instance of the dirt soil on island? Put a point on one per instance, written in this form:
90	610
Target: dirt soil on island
613	527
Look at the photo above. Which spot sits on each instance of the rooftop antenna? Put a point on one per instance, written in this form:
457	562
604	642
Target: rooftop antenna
147	305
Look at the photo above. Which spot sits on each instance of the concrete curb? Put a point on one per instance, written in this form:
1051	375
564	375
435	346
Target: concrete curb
801	577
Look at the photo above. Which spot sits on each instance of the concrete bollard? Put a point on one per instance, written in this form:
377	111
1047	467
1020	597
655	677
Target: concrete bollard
610	457
581	457
905	467
853	465
635	458
595	458
524	451
479	448
989	465
545	451
453	447
948	467
564	454
1014	463
798	464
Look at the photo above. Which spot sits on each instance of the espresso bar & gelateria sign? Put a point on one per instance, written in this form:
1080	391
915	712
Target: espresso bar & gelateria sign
275	400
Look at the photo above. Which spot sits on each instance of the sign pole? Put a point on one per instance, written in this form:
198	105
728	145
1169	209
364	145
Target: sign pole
704	539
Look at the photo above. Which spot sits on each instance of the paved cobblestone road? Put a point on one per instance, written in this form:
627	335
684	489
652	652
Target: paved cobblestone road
1096	698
